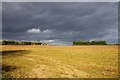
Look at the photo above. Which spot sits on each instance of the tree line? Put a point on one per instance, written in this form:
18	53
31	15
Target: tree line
11	42
82	42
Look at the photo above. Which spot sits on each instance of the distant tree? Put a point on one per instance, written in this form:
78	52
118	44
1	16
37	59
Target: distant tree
11	42
83	42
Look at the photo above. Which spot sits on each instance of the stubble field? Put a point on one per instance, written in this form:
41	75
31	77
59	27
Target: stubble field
32	61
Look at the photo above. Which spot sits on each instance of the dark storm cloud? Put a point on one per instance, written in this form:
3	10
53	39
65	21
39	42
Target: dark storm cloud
60	23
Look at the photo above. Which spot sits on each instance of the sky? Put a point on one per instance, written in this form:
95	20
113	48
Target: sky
60	23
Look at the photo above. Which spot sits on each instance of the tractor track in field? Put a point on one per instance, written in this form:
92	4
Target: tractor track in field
43	71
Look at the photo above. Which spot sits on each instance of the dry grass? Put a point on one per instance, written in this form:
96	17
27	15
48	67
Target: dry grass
60	61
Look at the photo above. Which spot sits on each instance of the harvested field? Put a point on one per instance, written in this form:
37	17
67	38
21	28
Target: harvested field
32	61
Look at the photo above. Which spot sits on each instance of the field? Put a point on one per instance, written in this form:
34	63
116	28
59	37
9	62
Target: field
25	61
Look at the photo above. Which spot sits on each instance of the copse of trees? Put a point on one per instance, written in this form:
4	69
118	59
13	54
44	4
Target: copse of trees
10	42
6	42
82	42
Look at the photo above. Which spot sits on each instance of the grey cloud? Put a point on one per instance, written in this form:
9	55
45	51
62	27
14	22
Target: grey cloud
65	21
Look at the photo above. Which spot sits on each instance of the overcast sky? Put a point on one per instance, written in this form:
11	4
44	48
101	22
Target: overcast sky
59	23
